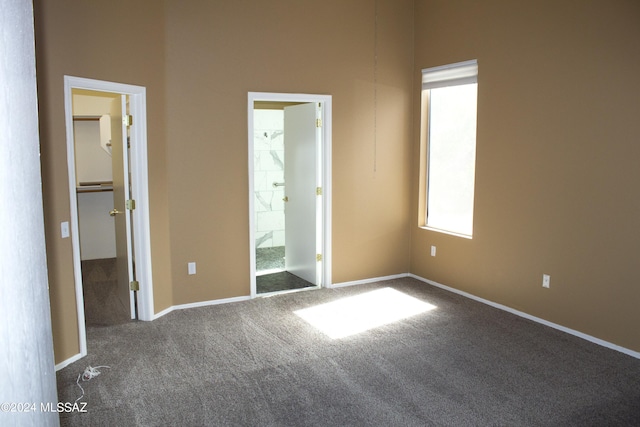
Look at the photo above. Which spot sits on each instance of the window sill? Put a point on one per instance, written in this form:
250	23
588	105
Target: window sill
451	233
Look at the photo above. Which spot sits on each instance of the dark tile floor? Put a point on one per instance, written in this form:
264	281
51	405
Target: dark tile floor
277	282
271	259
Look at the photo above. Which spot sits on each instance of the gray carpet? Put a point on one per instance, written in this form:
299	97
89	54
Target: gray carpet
256	363
102	307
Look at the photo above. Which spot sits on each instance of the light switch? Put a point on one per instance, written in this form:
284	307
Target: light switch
192	267
64	229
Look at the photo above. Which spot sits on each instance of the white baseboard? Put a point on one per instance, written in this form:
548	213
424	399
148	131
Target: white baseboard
69	361
364	281
199	304
399	276
79	356
532	318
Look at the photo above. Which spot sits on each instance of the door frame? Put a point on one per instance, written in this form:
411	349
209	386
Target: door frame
325	168
140	190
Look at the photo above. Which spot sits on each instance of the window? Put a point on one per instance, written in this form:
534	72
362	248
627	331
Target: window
449	100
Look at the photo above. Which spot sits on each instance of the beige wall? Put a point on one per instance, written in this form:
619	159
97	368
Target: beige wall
97	40
198	60
219	51
557	178
556	175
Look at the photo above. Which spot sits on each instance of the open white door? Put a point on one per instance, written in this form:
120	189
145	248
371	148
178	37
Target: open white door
301	181
121	193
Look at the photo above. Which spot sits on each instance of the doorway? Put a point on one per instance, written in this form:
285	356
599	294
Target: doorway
99	180
289	192
107	165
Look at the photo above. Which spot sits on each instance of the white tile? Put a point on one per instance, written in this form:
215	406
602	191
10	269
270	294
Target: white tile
269	221
267	163
276	139
281	155
266	243
277	204
278	238
261	181
268	119
278	158
256	160
263	201
260	141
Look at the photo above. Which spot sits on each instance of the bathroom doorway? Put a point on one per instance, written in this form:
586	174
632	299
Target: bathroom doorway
289	156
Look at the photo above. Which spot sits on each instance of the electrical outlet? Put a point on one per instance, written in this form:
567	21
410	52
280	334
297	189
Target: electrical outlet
192	267
433	251
546	280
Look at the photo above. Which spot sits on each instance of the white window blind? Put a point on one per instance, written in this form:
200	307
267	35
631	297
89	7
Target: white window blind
460	73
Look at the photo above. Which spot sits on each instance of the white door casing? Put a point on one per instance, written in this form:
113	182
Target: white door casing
323	167
140	185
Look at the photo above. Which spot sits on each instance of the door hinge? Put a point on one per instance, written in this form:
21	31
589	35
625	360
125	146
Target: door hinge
318	123
130	204
127	120
318	191
134	285
318	257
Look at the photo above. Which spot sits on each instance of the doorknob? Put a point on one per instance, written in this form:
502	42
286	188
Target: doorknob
285	199
114	212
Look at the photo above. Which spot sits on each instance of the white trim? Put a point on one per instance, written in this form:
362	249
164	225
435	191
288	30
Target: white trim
140	193
326	176
365	281
163	312
75	234
286	291
400	276
168	310
69	361
443	231
199	304
137	102
532	318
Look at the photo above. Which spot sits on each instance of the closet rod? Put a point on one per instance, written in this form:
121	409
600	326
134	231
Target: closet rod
88	183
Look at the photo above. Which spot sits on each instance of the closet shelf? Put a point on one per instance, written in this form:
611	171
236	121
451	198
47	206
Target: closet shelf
94	186
86	118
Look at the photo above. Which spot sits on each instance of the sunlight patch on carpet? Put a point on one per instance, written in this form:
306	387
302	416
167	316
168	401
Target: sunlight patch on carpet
353	315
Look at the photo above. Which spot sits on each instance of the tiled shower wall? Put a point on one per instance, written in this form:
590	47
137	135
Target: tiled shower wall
268	128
